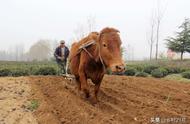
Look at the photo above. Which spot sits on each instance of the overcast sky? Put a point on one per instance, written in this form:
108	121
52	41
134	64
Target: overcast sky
26	21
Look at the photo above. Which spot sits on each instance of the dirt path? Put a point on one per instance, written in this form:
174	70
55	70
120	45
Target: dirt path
123	100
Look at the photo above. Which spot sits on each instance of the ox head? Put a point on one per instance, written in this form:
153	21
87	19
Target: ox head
110	49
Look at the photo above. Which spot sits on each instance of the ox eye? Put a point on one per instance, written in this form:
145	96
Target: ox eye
104	45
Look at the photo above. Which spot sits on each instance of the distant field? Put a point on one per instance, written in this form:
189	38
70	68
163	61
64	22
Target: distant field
15	64
164	63
174	68
11	68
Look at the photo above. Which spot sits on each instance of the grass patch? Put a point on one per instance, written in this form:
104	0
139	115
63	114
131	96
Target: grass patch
130	71
176	77
186	74
141	74
34	104
168	98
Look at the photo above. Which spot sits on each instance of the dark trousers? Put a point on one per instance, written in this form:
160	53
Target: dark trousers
62	67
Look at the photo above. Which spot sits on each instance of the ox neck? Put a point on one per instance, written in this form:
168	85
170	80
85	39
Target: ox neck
98	57
95	51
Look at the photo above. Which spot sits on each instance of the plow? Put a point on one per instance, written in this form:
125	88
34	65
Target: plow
68	76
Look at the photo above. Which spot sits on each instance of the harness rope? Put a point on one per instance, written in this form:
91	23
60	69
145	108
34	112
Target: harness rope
84	46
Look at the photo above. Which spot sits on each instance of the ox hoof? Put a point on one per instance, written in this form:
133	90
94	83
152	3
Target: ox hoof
94	101
84	94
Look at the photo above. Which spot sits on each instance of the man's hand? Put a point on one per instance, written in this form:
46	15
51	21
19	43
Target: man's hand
59	57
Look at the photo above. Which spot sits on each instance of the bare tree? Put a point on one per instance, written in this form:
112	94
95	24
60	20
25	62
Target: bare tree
3	55
84	29
91	22
157	35
40	51
18	52
130	52
152	33
79	32
159	17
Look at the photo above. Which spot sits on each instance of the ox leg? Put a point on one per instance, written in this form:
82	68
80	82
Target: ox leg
84	85
78	83
96	91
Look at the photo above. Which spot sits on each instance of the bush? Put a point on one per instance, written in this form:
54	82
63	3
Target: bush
46	71
174	70
157	73
164	71
186	74
148	69
140	68
33	70
108	71
5	72
130	71
137	67
20	72
184	69
141	74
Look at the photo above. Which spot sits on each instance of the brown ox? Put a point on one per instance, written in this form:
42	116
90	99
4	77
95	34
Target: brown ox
92	62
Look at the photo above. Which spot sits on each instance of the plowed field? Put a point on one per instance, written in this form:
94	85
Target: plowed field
122	100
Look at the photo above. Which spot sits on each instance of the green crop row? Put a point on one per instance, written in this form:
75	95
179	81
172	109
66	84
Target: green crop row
51	68
155	71
27	68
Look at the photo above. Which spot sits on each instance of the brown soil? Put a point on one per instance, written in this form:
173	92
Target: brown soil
122	100
14	98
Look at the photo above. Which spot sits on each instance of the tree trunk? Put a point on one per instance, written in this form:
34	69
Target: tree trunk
181	55
157	38
151	40
151	50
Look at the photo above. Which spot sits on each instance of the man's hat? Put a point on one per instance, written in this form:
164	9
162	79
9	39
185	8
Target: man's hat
62	41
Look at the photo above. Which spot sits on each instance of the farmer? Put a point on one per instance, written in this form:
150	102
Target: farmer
61	54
